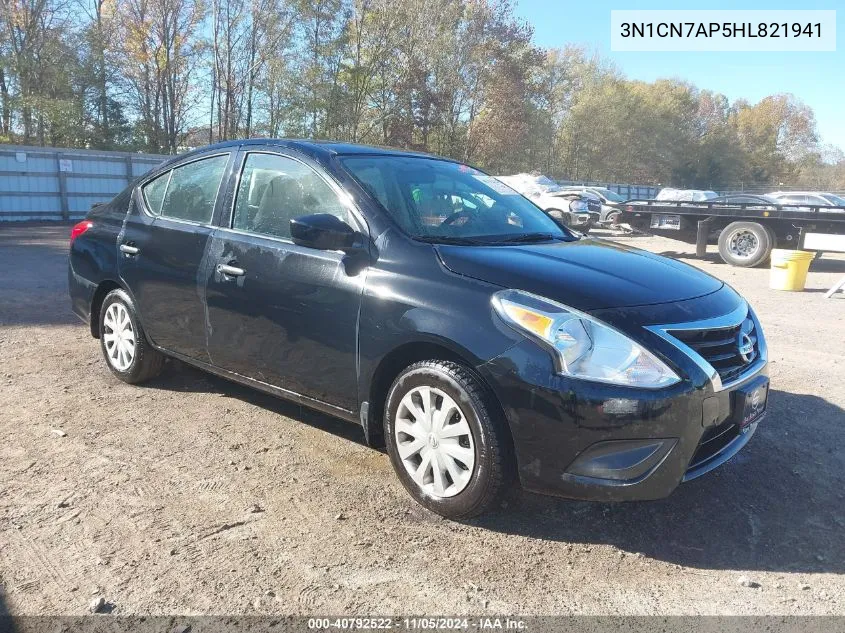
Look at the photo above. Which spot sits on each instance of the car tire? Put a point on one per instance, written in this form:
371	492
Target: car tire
745	244
125	348
460	434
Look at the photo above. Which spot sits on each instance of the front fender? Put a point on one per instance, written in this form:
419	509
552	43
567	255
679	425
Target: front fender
416	299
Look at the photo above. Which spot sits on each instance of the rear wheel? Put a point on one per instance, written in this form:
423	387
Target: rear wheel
745	244
447	440
123	342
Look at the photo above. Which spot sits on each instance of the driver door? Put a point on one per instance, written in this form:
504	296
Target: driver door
280	313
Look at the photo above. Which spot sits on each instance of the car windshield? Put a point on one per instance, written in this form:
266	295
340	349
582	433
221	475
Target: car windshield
610	195
835	200
440	201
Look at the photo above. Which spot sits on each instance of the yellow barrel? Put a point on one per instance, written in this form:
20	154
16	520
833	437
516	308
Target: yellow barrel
789	269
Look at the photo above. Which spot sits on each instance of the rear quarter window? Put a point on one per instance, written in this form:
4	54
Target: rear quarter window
154	193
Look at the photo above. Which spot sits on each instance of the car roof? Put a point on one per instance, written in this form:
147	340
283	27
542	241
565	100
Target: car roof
744	195
320	150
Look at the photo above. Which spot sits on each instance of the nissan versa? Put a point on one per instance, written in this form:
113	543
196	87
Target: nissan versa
429	302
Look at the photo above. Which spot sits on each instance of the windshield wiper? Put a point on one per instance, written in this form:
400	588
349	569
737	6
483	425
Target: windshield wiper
529	237
451	239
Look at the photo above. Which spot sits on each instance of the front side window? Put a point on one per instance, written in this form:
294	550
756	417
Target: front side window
275	189
440	201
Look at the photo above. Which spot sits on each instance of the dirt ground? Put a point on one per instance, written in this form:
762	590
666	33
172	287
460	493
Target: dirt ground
192	495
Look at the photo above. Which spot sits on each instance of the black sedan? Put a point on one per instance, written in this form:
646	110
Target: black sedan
433	305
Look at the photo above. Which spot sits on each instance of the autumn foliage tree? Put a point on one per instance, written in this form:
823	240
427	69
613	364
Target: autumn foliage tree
461	78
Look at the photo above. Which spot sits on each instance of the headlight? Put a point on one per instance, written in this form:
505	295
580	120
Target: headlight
578	206
582	346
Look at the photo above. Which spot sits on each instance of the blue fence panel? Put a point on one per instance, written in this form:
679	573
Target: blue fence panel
629	192
46	183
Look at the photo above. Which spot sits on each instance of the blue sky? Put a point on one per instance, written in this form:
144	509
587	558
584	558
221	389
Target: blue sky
817	78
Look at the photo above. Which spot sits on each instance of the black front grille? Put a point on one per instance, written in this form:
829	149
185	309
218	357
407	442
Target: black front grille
729	350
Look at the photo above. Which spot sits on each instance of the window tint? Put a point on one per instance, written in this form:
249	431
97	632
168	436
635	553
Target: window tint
274	189
154	192
192	190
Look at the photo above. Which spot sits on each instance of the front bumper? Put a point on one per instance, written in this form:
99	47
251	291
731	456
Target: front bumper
600	442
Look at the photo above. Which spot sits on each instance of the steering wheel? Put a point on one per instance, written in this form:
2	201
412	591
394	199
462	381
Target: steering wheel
469	214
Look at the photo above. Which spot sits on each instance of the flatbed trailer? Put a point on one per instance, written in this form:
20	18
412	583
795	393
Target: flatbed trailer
746	233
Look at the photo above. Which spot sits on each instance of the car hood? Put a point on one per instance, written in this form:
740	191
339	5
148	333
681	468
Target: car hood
586	274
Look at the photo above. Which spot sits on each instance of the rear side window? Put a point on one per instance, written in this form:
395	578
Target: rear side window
274	189
187	192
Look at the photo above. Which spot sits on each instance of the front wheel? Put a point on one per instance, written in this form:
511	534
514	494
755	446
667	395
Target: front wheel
745	244
125	348
447	439
562	218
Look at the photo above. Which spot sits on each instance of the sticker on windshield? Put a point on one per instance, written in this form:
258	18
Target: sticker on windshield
495	184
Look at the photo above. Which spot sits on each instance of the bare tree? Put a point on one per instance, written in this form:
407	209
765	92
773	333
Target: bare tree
161	49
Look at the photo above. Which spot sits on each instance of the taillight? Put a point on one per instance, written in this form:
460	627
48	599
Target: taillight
80	228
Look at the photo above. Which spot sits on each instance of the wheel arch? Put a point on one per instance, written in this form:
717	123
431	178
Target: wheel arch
559	215
389	367
103	289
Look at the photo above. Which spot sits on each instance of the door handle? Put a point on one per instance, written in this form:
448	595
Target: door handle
129	249
230	271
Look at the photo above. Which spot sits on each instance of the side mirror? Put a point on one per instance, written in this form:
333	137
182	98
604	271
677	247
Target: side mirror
322	231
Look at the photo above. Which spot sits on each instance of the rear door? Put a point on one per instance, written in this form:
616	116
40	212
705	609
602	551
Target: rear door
284	314
162	249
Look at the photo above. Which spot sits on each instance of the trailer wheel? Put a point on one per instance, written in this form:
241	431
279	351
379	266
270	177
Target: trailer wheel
745	244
